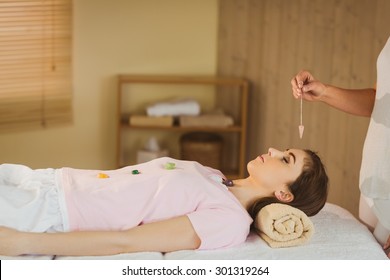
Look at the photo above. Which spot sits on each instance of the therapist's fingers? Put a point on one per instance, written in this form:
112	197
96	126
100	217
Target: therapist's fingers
297	82
296	90
387	246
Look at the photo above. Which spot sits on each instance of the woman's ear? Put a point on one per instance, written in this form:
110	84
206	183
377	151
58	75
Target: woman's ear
284	196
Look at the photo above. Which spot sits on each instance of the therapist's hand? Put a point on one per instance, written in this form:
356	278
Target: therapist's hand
387	246
305	83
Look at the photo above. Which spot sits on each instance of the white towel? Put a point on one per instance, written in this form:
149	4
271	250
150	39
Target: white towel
187	107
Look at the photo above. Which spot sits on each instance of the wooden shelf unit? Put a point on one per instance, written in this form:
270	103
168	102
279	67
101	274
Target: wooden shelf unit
223	87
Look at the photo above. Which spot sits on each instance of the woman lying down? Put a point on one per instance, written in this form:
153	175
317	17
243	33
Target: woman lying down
163	205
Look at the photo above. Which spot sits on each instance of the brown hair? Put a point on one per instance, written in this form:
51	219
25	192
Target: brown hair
310	189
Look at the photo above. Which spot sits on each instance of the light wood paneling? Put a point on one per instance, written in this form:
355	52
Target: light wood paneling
269	41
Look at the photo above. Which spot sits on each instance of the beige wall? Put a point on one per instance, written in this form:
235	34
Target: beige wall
112	37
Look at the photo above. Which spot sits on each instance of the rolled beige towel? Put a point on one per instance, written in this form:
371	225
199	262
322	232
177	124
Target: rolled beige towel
282	225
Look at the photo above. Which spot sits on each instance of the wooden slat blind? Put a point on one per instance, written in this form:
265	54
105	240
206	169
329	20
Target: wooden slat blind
35	63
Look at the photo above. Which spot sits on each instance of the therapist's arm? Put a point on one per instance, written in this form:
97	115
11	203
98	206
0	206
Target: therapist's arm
165	236
353	101
358	102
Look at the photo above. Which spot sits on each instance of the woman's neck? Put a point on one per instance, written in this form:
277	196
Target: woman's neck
246	191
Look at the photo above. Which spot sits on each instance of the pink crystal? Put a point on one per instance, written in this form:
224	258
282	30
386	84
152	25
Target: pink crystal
301	129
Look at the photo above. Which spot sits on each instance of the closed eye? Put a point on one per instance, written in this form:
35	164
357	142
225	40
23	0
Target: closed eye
291	155
286	159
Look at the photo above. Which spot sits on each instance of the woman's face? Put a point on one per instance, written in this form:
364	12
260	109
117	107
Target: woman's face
277	168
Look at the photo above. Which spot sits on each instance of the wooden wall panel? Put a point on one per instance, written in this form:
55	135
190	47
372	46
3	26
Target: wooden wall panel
269	41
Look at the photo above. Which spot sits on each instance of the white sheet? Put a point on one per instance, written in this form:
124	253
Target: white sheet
27	257
131	256
338	236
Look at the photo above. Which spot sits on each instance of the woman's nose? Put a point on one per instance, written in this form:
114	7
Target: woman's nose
273	152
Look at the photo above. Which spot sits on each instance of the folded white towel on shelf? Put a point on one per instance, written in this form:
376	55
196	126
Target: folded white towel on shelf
188	107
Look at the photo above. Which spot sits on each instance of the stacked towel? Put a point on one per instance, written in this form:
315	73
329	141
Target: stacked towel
283	225
217	120
174	108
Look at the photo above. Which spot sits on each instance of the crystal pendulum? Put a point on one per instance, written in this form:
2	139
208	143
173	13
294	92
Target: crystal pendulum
301	127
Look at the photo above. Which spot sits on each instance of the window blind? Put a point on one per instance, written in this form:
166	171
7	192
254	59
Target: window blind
35	63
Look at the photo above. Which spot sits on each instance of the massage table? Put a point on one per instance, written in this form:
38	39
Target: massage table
338	235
